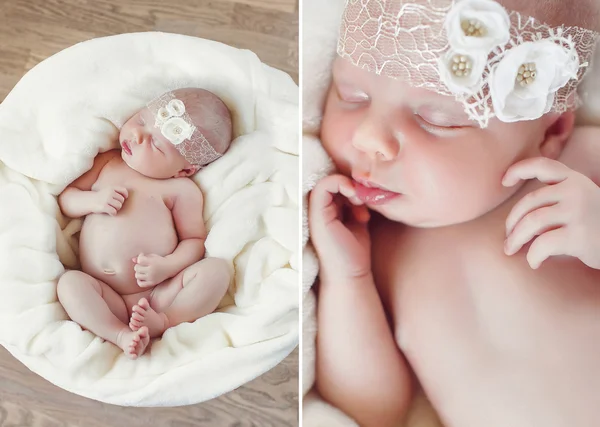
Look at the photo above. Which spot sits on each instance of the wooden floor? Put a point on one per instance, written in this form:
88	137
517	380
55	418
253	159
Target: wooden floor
27	400
32	30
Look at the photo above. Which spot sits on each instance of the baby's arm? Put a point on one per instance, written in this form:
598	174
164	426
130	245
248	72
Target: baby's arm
77	199
188	204
359	367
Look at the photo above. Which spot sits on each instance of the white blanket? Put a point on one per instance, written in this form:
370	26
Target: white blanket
53	124
320	30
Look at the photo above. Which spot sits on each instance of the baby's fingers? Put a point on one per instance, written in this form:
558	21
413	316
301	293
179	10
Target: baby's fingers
115	204
142	260
141	276
110	210
544	169
548	244
323	193
533	224
545	196
122	191
138	268
118	197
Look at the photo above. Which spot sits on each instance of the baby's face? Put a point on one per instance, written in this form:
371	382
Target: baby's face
421	145
146	150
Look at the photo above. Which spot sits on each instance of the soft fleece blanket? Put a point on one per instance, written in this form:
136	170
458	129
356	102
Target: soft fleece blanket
53	124
320	24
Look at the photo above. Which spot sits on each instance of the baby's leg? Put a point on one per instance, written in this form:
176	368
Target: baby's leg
98	308
192	294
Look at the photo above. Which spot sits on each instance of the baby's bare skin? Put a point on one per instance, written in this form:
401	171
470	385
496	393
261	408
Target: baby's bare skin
142	240
143	225
492	341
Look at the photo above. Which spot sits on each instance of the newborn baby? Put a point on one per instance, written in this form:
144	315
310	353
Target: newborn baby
476	266
142	240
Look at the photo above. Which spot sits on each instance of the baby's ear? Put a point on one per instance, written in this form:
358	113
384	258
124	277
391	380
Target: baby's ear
557	134
188	171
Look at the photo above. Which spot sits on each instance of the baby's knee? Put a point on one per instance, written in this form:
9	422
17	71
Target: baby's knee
70	282
66	282
220	271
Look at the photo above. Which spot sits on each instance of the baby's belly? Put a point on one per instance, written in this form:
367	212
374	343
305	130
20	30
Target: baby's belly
498	344
108	244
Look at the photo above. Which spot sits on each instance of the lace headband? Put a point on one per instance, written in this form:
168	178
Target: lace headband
497	63
177	126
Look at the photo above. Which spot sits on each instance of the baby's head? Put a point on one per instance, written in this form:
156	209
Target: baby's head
176	134
400	115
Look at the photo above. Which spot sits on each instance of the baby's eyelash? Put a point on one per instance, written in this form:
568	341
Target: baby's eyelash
355	98
436	129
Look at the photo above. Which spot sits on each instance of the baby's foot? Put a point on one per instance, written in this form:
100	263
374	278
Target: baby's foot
134	343
144	315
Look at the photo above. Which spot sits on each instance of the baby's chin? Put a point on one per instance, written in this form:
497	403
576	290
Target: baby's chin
422	218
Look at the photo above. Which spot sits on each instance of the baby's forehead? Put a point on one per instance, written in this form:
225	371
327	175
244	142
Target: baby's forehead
347	74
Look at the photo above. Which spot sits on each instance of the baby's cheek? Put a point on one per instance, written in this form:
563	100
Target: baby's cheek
333	135
453	192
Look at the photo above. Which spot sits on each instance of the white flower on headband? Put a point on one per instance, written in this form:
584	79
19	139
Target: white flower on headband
177	130
524	83
462	72
176	108
162	116
477	25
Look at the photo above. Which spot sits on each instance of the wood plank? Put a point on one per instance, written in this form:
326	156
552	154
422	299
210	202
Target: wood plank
28	400
282	5
32	30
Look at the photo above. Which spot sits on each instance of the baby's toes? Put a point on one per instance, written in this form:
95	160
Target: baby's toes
144	304
138	309
137	316
144	333
134	325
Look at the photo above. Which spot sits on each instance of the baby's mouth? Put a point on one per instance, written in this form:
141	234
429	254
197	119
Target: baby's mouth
371	193
125	147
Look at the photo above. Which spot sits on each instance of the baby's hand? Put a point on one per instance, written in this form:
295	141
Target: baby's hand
338	224
564	214
110	200
150	270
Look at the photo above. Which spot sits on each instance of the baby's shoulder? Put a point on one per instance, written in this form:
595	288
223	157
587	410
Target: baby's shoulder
183	187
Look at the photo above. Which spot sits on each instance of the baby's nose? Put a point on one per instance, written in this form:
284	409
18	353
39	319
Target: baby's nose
138	137
376	140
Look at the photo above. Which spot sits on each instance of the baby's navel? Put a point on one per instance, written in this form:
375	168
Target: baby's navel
109	272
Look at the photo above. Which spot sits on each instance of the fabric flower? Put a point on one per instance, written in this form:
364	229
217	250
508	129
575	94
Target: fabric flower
477	25
176	108
523	84
162	116
177	130
462	72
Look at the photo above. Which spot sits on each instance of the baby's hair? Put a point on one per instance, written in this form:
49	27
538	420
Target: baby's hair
209	114
575	13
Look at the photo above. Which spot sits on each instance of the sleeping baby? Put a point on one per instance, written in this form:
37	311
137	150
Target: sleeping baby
142	240
459	244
